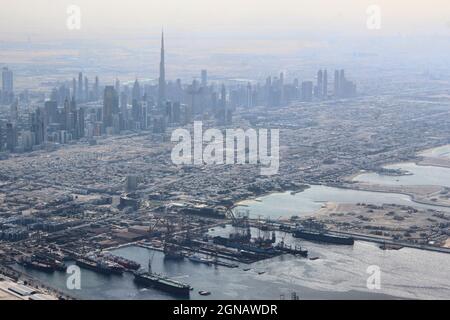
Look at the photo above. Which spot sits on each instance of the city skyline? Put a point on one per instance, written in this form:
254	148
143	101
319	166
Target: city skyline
59	120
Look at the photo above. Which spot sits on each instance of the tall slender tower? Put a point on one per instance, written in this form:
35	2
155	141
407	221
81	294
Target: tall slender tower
319	83
162	75
325	84
80	86
337	86
7	80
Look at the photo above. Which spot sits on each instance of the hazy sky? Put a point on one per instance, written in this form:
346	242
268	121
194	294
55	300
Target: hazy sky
120	38
110	18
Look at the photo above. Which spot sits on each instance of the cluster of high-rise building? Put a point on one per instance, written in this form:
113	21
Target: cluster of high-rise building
81	109
156	106
343	88
48	123
276	92
79	90
45	124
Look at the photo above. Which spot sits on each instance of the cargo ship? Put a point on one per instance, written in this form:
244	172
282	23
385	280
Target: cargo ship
126	263
320	236
59	266
44	267
47	259
100	266
161	282
291	250
249	247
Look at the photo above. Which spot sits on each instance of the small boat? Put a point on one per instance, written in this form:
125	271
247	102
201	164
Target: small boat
204	293
246	269
199	259
314	258
195	258
385	246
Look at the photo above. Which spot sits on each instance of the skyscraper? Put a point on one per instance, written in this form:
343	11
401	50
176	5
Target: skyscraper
7	86
204	78
162	76
117	86
136	110
224	114
136	93
80	123
341	82
281	89
73	119
7	80
86	89
110	106
319	83
38	127
325	84
131	183
249	102
51	111
96	88
66	115
80	86
336	84
14	111
74	88
11	137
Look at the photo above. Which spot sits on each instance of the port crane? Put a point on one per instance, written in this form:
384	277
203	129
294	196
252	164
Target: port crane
230	214
240	221
152	227
172	250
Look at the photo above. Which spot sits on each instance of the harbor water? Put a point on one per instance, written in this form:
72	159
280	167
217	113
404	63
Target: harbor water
418	175
339	272
285	204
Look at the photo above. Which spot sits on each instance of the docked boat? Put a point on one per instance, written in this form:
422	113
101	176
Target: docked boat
245	246
44	267
199	259
161	282
59	265
291	250
49	260
320	236
126	263
100	266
